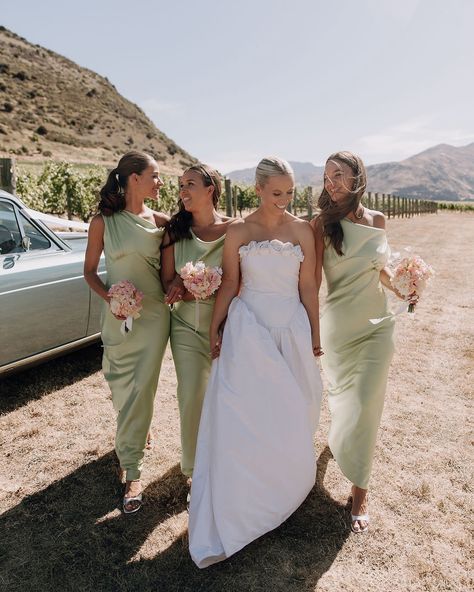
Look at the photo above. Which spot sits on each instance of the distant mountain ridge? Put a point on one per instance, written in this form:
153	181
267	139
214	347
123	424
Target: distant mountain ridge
52	108
442	172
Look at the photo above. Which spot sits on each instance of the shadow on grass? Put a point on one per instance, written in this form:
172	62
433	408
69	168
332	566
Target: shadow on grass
33	383
65	537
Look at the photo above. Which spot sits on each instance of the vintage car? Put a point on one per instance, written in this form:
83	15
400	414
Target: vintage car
46	307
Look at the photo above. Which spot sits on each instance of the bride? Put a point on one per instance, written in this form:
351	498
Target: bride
255	461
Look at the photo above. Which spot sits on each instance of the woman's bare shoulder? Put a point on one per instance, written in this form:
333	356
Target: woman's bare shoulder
160	218
97	223
377	218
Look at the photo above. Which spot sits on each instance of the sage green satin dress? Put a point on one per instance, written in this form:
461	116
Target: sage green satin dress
132	362
190	345
357	352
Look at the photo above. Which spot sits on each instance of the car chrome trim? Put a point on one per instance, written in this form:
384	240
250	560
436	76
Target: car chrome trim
50	353
76	277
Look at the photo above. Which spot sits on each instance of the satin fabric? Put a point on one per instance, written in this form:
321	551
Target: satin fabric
357	352
190	345
132	362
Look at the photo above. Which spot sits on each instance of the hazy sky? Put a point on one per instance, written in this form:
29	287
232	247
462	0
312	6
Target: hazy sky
233	80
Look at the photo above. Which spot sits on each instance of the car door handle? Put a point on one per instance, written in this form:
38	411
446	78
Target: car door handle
9	262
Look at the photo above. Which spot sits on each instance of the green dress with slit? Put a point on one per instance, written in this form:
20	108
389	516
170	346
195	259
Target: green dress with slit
132	362
357	352
190	344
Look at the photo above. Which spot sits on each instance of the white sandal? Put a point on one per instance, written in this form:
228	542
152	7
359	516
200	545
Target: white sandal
360	517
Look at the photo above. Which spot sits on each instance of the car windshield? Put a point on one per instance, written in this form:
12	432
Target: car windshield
59	224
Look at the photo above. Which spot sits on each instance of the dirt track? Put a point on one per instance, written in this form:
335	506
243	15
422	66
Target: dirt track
61	528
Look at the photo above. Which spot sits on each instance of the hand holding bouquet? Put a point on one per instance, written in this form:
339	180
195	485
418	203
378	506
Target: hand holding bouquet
125	302
201	281
410	278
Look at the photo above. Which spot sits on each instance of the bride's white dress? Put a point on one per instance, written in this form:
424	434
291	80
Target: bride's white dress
255	459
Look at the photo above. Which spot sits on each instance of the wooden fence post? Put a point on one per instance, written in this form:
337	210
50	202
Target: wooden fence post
234	200
228	198
309	201
8	174
288	207
376	201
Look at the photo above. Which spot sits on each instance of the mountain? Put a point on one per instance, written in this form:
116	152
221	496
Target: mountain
442	172
52	108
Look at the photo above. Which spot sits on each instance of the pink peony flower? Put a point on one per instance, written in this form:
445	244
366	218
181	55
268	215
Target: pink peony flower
125	301
200	280
411	277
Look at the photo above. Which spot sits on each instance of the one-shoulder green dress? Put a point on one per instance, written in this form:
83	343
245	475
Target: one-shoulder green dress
132	362
357	352
190	345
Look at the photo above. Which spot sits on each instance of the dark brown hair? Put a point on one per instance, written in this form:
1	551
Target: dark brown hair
112	194
331	213
179	226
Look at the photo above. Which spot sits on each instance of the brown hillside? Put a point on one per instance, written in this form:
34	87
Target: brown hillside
52	108
442	172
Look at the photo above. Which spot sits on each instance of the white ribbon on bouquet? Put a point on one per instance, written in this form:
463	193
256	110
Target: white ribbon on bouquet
126	326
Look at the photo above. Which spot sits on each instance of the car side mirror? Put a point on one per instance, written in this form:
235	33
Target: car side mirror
26	243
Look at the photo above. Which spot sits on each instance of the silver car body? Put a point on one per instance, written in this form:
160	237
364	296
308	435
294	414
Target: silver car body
46	307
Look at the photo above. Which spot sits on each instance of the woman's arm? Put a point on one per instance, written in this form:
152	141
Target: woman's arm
385	273
308	287
95	246
160	219
319	244
172	283
229	287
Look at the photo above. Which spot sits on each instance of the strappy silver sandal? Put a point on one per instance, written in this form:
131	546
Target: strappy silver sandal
130	499
127	500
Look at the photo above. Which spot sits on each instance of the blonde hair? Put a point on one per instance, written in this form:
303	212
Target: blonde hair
272	166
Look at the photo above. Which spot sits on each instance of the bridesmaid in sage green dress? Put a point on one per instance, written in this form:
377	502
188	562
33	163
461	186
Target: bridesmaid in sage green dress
195	233
352	248
130	235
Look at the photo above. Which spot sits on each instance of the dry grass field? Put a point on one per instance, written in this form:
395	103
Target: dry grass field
61	527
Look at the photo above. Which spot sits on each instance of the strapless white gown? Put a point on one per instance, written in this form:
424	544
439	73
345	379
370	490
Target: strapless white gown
255	459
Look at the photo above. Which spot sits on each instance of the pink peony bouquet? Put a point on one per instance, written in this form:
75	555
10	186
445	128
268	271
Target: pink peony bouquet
125	301
410	278
200	280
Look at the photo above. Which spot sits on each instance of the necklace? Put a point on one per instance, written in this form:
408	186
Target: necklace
359	216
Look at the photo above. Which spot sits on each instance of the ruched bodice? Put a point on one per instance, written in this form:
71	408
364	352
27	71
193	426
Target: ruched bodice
263	272
270	277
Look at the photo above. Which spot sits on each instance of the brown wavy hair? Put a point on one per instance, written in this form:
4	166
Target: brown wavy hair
330	214
112	194
179	225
